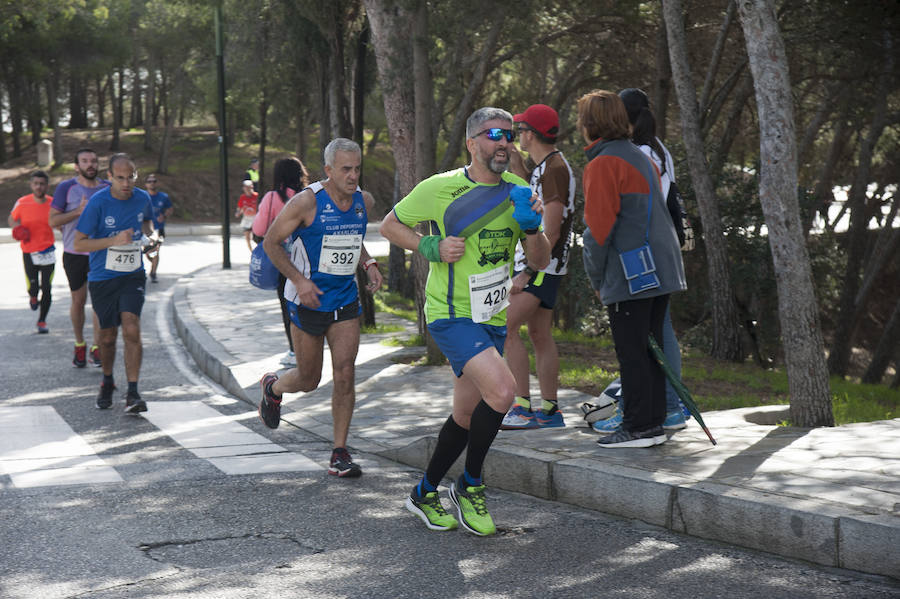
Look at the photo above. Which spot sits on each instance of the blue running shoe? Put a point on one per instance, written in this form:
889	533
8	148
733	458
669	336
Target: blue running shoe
517	418
611	424
674	421
545	420
684	410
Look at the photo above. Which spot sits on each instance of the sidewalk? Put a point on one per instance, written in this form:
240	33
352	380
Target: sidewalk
829	496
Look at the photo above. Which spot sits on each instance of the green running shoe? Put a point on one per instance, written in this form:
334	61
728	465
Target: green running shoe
430	510
472	510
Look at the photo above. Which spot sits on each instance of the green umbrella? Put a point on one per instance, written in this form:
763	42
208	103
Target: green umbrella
679	387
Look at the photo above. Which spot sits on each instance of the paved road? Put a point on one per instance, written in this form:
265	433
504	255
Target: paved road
99	504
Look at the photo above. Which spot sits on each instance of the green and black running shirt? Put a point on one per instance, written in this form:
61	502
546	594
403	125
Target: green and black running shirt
476	286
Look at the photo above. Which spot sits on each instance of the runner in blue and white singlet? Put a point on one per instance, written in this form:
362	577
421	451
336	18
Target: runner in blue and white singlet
328	250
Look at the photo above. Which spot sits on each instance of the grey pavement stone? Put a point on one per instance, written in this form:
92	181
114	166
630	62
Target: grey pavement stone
829	496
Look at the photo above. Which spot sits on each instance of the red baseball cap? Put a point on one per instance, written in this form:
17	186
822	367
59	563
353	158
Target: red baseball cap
541	118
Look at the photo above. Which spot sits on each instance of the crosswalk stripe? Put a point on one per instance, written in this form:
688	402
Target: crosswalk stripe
220	439
38	448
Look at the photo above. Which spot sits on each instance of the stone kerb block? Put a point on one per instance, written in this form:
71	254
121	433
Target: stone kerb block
45	153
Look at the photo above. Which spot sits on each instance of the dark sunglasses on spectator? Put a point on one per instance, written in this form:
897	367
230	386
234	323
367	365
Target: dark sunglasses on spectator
496	134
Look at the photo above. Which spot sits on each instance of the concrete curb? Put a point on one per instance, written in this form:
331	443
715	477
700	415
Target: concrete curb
797	528
210	356
828	533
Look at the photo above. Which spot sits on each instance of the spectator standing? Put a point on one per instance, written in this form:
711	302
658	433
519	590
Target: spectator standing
246	209
626	217
533	294
252	174
643	135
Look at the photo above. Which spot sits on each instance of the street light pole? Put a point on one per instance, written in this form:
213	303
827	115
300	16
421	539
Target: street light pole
223	146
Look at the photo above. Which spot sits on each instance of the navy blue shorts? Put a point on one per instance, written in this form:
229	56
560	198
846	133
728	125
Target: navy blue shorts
545	289
113	296
461	339
315	322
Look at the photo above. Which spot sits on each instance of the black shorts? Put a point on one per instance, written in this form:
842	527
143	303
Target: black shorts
315	323
546	290
113	296
76	267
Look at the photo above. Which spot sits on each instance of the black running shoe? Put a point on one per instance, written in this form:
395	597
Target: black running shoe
105	399
343	465
134	404
270	404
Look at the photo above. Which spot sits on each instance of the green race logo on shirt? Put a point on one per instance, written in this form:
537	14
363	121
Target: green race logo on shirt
494	245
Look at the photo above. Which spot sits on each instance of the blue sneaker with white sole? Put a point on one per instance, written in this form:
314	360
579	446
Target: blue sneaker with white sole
545	420
674	421
611	424
517	418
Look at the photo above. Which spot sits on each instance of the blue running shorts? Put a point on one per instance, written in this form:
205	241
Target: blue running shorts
113	296
461	339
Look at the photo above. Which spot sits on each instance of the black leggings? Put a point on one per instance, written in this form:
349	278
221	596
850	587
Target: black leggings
32	271
284	310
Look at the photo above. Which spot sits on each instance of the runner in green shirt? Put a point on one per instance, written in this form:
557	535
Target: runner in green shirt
476	214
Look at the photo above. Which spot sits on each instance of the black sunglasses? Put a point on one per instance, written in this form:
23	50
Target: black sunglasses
496	134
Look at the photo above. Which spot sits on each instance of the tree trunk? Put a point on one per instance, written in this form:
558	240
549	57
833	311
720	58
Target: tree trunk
798	310
839	358
15	112
2	132
467	104
137	110
423	94
101	100
366	298
148	105
823	196
716	59
886	349
53	113
116	99
732	127
169	115
263	137
726	342
34	111
662	80
394	65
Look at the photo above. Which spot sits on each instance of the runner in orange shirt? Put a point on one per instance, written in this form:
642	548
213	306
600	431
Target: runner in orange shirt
29	221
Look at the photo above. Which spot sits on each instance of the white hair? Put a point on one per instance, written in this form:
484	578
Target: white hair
339	144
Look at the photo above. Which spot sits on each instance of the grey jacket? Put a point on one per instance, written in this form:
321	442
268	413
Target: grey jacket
601	258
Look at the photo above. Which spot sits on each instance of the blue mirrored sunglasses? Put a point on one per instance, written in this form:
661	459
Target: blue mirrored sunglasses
496	134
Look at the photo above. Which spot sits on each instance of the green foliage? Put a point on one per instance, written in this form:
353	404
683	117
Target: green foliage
396	304
380	328
412	341
857	402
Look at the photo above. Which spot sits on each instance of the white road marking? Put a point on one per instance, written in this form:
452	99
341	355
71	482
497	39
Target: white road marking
226	444
38	448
